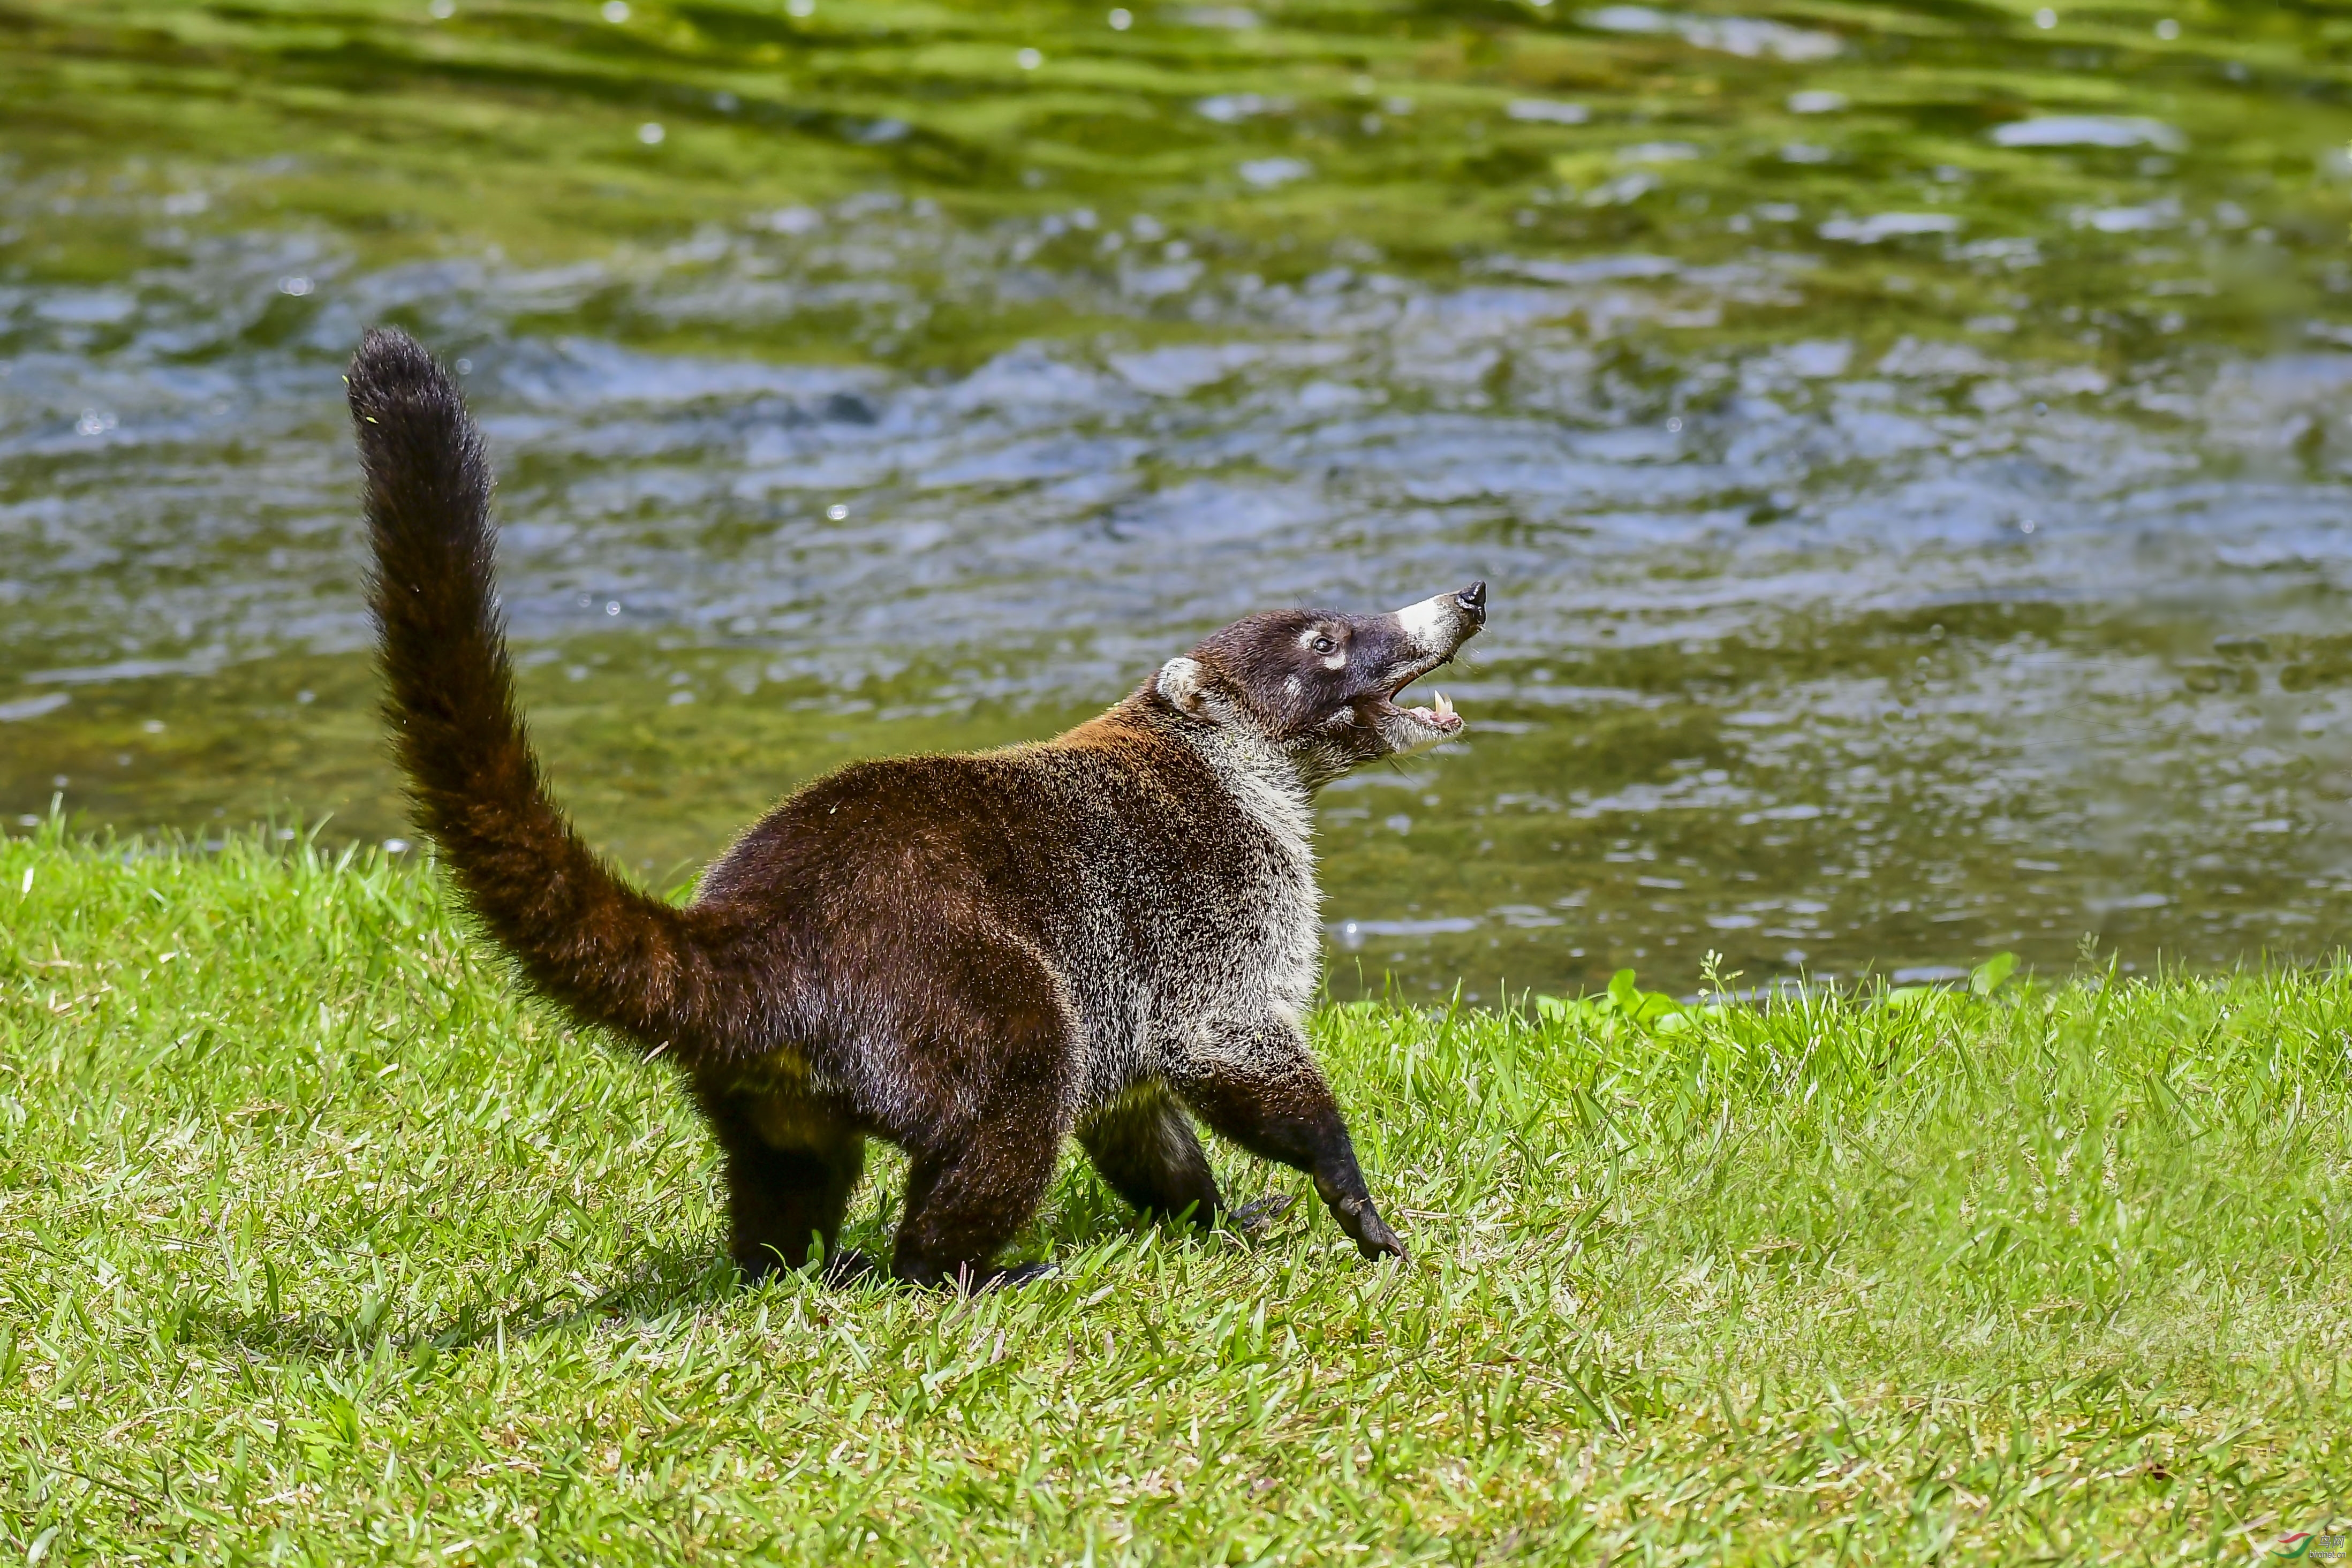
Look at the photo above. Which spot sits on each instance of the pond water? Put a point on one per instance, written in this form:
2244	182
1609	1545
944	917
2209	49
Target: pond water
1909	444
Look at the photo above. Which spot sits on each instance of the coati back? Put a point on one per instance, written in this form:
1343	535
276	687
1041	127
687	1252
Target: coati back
972	956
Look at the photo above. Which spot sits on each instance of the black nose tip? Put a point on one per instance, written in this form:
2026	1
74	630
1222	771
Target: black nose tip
1474	599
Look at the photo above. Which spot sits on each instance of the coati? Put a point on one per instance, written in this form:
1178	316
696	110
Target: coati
972	956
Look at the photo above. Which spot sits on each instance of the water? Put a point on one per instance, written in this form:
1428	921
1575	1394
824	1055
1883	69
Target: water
1912	464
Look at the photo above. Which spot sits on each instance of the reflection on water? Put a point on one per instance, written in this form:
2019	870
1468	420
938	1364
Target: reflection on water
1888	566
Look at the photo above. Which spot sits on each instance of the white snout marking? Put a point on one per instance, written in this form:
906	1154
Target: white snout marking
1428	621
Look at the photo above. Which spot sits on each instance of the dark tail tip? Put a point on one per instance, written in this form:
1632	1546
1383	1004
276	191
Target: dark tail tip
392	373
426	475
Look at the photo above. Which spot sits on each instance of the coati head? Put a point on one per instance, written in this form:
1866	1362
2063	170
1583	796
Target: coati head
1322	685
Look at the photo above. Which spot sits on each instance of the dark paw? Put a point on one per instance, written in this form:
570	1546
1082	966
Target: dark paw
968	1280
1374	1238
1011	1279
1255	1219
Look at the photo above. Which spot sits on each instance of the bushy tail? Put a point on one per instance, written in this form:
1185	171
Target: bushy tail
610	954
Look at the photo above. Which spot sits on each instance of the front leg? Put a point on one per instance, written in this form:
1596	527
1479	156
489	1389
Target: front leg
1260	1087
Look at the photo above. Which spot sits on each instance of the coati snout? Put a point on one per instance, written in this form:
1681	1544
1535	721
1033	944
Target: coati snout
975	957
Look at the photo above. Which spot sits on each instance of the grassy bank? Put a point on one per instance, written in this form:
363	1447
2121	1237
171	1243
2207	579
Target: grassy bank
317	1245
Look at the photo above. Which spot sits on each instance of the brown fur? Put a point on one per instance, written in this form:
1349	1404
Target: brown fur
972	956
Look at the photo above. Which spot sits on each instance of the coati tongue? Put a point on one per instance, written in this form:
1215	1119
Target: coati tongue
1439	715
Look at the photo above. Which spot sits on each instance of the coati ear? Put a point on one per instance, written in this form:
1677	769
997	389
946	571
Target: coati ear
1184	683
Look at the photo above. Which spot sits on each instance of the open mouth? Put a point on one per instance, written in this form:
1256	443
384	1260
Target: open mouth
1438	720
1438	715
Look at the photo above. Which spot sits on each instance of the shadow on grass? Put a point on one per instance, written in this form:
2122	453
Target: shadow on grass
653	1281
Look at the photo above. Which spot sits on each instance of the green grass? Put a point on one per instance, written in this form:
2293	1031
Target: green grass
318	1244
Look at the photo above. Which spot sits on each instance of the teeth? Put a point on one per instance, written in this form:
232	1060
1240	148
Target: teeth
1445	706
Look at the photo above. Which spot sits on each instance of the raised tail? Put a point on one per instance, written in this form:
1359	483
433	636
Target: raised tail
606	951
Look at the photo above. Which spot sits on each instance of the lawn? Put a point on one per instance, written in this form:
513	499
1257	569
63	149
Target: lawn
317	1243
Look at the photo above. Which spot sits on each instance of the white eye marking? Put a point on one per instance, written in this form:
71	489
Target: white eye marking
1320	640
1427	622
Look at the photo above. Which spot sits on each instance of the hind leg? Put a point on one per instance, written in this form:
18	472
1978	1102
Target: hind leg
992	1067
963	1205
1145	1147
972	1185
790	1174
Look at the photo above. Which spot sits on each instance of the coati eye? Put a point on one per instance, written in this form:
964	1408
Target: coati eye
1324	644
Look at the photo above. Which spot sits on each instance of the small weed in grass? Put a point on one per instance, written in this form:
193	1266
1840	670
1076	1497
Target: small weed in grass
318	1244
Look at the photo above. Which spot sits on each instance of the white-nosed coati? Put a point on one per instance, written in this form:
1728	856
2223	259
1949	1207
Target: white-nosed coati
972	956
